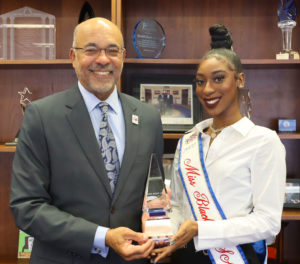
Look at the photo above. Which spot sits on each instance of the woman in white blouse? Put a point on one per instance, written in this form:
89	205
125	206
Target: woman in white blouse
243	172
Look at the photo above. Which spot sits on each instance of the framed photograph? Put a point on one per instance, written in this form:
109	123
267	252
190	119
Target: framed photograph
167	166
174	102
173	95
292	193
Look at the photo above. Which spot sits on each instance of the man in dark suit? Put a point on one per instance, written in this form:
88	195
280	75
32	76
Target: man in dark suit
60	191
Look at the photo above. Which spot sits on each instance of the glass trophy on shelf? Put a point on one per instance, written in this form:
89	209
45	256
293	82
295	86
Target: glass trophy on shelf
156	222
27	34
24	100
287	12
148	38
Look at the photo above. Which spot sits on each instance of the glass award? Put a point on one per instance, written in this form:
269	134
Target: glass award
24	100
156	222
148	38
287	12
27	33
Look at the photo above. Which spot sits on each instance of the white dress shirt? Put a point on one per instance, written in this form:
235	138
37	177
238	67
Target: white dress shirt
246	167
115	116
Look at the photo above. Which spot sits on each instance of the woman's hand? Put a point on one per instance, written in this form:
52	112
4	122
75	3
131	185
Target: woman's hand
186	232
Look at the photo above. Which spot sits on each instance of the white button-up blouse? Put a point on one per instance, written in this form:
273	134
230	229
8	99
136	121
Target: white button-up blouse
247	170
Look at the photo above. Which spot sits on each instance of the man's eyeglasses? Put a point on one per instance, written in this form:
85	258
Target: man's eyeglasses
95	51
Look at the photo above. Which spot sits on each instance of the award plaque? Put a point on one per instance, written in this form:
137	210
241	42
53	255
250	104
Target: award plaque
27	33
24	100
148	38
287	12
157	224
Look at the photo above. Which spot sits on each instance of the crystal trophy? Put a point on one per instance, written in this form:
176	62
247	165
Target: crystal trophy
287	12
156	222
24	100
27	34
148	38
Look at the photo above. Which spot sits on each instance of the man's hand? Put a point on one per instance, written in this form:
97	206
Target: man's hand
120	240
186	232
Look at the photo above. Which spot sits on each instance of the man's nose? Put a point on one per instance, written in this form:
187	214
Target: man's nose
102	58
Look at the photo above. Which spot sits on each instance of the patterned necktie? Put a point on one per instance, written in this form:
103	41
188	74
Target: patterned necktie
108	148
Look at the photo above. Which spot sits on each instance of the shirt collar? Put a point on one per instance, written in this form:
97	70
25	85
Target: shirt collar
243	126
92	101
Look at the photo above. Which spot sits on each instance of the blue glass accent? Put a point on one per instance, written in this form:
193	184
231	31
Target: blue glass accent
287	10
157	212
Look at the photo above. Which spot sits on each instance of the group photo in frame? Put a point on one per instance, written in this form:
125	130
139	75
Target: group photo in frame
174	102
179	106
292	193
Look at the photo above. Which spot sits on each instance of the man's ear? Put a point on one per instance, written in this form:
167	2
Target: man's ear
124	54
72	56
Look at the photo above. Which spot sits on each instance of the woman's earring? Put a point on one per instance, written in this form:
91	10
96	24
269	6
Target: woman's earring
245	102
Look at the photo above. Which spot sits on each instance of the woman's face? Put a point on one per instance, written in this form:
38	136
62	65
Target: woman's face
217	88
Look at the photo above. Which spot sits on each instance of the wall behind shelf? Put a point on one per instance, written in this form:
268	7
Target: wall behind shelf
42	80
274	94
253	25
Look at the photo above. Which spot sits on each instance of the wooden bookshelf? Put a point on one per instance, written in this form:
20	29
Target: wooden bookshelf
273	84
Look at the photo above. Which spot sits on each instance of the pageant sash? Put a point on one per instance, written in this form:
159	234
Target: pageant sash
201	197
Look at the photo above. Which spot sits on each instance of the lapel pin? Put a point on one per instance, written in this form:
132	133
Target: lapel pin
135	119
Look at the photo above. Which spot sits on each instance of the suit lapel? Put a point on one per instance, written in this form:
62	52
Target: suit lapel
80	122
131	144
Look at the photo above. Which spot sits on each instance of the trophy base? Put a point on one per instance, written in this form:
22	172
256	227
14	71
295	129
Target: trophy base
292	55
159	230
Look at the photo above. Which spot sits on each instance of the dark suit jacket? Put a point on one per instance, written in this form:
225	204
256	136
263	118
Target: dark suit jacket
60	191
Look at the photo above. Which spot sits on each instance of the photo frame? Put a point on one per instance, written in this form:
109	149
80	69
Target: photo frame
185	111
174	102
292	193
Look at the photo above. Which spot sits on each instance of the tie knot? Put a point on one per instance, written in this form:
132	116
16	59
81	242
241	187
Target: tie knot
104	107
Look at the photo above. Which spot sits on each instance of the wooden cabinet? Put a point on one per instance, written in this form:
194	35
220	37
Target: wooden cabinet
273	85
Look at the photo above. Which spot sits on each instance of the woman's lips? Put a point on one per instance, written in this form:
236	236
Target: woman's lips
212	102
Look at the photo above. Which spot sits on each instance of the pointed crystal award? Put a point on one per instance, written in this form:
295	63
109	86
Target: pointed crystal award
156	222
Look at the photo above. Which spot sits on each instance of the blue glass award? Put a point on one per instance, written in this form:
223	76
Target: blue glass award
287	12
148	38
